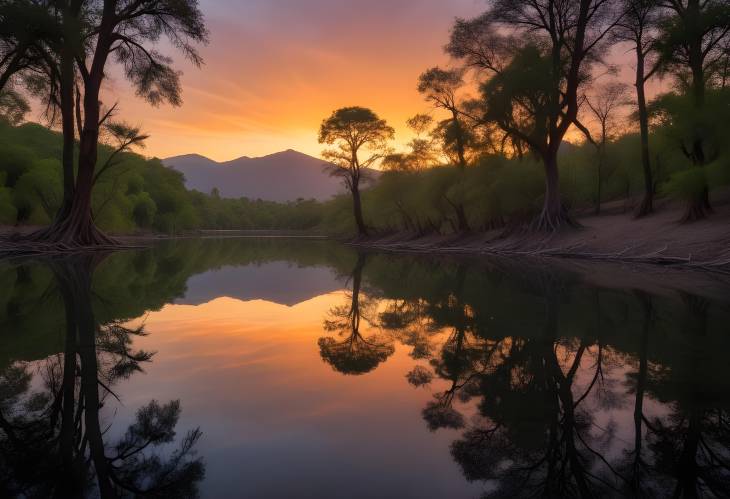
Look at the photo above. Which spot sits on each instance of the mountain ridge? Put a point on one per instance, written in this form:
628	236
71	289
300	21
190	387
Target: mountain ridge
281	176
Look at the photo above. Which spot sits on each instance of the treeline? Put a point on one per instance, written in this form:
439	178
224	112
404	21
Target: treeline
525	78
498	191
134	194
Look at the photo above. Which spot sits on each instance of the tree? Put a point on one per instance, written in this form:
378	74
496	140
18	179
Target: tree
122	137
120	29
536	57
440	87
353	130
638	28
608	100
690	45
421	154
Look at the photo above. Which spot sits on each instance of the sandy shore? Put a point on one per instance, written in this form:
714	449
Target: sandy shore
658	239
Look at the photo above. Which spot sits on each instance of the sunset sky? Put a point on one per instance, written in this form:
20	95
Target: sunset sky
275	68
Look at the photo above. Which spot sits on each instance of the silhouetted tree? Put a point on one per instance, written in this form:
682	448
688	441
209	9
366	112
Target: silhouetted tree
538	56
608	100
120	29
440	87
353	130
690	44
422	151
638	28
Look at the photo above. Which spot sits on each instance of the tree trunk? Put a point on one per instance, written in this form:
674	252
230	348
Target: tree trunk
462	222
74	226
460	147
69	134
362	229
77	228
647	204
698	207
599	184
553	215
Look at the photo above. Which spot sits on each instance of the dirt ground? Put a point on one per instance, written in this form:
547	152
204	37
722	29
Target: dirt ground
657	239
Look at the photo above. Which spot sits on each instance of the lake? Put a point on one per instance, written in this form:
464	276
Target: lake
300	368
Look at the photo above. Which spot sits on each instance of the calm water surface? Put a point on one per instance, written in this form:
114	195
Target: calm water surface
275	368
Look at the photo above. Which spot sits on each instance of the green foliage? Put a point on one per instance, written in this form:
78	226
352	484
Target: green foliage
8	212
141	194
133	193
686	185
40	190
698	152
519	96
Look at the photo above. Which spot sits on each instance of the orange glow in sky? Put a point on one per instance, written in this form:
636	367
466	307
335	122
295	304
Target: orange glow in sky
274	69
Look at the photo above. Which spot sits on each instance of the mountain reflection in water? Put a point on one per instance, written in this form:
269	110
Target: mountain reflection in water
243	368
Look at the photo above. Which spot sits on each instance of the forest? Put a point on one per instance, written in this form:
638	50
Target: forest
529	128
136	194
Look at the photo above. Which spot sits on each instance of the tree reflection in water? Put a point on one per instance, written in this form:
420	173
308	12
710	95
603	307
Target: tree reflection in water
353	353
559	389
54	442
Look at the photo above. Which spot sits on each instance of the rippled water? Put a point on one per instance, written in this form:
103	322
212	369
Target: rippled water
275	368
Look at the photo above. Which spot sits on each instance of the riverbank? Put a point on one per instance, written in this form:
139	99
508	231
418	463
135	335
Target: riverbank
610	237
658	239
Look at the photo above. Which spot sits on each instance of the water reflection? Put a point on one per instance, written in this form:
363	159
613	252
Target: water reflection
351	353
550	396
510	380
54	441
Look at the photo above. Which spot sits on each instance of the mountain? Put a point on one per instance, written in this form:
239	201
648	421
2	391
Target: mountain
283	176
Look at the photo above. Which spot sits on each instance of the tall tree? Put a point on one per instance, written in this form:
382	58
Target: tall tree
638	28
691	44
120	29
507	44
609	99
353	130
440	87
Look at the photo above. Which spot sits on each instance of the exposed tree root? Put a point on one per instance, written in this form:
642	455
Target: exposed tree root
548	221
698	208
60	239
646	207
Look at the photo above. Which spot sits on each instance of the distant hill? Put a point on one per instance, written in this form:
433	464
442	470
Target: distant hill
283	176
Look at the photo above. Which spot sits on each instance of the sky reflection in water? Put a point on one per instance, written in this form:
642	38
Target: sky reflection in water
316	372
